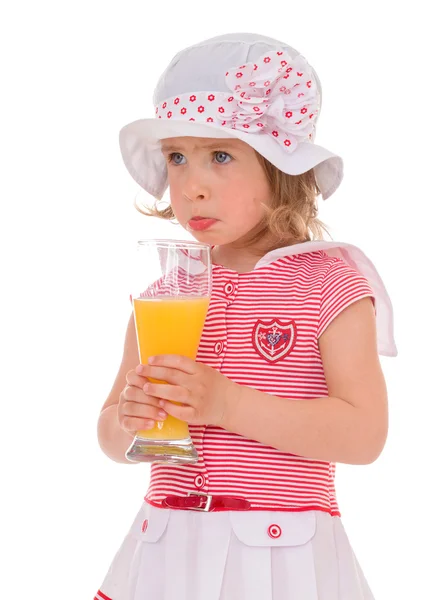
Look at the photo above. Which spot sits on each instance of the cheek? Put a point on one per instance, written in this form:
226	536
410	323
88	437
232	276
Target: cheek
178	208
247	204
173	185
248	191
242	213
175	195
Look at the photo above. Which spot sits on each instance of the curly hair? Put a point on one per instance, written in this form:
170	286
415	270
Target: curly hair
291	217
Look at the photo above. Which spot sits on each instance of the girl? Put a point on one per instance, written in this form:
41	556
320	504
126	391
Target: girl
287	380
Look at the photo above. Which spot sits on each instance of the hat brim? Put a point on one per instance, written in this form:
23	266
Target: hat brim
140	144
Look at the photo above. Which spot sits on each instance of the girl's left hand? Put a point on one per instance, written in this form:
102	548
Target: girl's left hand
203	391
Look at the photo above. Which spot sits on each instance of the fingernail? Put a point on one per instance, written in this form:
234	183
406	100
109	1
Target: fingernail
161	403
139	369
162	414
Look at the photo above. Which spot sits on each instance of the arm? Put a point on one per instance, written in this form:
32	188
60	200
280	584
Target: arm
348	426
113	440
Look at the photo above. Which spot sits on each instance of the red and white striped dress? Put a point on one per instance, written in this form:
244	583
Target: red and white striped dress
262	331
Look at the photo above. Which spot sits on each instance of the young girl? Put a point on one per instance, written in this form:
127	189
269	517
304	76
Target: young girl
287	380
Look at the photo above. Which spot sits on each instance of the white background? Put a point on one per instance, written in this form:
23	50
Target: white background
73	74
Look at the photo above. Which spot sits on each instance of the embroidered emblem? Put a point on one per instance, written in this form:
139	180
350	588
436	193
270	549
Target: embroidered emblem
275	339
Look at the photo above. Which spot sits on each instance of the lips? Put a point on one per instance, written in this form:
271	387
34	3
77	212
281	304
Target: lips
201	223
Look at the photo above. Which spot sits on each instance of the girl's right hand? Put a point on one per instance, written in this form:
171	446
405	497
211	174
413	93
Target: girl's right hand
137	410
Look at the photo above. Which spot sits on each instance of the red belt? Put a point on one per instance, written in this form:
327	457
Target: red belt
205	502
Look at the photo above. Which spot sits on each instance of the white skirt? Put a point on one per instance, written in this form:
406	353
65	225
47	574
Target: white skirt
173	554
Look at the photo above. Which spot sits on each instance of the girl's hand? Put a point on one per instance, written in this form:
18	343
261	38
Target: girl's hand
136	410
203	391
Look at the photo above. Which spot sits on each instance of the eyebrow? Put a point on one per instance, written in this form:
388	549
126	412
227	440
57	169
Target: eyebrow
217	144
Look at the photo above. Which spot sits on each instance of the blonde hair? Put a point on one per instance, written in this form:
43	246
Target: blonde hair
291	217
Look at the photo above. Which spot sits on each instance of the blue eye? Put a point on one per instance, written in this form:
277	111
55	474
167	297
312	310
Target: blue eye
173	155
220	153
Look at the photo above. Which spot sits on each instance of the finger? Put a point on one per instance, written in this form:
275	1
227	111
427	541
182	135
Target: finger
132	393
175	361
167	374
184	413
134	424
168	392
132	378
144	411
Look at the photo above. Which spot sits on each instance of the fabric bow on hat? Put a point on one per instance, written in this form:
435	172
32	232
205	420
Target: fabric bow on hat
277	94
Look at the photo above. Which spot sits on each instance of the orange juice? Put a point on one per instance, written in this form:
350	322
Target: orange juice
169	325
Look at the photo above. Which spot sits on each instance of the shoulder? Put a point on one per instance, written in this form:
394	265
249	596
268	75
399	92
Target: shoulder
323	272
319	260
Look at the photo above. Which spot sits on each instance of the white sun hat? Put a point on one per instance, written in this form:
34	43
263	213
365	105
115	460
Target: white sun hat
238	85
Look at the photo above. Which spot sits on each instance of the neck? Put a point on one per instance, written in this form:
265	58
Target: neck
241	260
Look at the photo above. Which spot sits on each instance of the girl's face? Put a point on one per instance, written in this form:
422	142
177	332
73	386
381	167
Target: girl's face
216	178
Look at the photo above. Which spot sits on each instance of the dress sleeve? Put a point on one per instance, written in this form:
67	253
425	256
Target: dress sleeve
343	285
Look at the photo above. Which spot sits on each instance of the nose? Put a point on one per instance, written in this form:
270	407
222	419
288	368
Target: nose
194	197
195	186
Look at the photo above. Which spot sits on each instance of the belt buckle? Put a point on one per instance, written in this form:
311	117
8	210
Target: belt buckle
208	501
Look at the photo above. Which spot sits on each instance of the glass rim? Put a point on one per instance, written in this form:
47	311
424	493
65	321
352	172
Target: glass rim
167	242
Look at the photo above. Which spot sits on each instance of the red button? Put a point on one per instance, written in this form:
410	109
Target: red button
199	481
145	526
229	288
274	531
218	348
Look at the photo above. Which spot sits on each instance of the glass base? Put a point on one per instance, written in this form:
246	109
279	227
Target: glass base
162	451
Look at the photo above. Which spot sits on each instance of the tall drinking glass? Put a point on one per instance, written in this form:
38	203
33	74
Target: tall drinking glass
171	295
